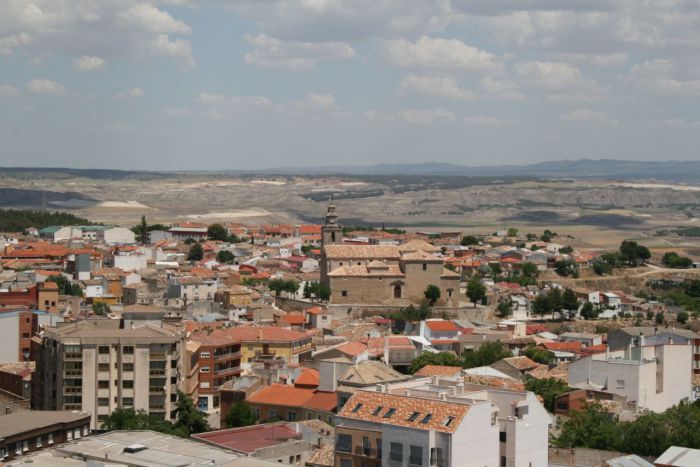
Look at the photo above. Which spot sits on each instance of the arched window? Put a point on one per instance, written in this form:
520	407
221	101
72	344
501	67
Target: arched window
397	291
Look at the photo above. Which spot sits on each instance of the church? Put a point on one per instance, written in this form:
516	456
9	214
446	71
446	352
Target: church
382	274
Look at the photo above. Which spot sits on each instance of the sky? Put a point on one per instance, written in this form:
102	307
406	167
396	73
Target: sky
245	84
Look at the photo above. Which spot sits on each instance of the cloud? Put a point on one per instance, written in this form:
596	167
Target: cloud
177	112
316	101
485	121
434	86
9	43
145	17
8	91
666	77
46	86
501	89
433	52
222	107
132	93
427	117
87	63
588	116
179	49
269	52
676	123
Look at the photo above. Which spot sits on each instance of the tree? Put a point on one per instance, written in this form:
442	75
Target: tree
324	292
100	308
486	354
682	317
569	300
592	428
277	286
529	269
468	240
633	253
217	232
588	311
475	290
496	269
504	308
428	358
188	419
566	268
65	286
225	256
512	232
240	415
541	305
673	260
432	294
538	355
548	389
196	252
413	314
659	318
143	230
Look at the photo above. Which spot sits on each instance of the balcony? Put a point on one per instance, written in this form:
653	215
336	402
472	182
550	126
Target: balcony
343	448
73	356
158	356
157	372
72	373
156	390
156	408
227	356
368	452
72	406
72	390
228	371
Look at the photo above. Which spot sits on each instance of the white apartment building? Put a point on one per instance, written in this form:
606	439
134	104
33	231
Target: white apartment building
441	422
651	377
97	367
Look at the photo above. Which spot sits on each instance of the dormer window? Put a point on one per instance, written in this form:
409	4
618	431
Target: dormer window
413	416
427	418
390	413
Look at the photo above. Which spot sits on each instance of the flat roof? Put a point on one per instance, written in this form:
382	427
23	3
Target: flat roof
30	420
251	438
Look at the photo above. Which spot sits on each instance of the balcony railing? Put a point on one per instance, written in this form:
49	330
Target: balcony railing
156	372
71	373
158	356
156	390
73	356
227	356
368	452
227	371
72	390
156	408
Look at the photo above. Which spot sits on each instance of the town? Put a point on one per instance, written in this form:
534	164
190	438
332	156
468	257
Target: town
240	344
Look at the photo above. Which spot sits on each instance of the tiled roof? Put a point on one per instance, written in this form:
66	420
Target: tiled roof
563	346
521	363
296	319
411	412
418	245
352	348
250	438
362	270
322	400
323	456
308	377
362	251
317	310
438	370
420	256
280	394
441	325
494	381
265	333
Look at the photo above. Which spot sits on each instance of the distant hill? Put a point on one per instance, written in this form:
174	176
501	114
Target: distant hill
682	171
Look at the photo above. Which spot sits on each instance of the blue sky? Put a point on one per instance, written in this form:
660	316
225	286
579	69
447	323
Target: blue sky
242	84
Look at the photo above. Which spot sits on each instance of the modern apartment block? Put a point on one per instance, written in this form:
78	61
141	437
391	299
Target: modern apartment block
441	423
219	361
97	366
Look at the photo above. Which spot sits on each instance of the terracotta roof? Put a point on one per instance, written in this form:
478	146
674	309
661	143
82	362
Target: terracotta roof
296	319
308	377
362	251
418	245
265	333
438	370
322	400
251	438
521	363
281	394
410	412
397	342
317	310
563	346
352	348
323	456
494	381
441	326
559	372
392	270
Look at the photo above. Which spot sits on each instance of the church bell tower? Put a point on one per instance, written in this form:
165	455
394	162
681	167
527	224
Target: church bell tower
332	232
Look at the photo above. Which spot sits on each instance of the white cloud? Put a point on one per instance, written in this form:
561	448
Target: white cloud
665	77
88	63
609	60
427	117
9	43
46	86
434	52
434	86
588	116
676	123
8	91
269	52
177	112
132	93
551	75
147	18
501	89
485	121
179	50
318	101
221	107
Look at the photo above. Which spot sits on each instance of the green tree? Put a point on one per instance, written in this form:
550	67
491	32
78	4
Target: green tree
143	230
512	232
100	308
475	290
188	419
682	317
538	355
659	318
529	269
217	232
196	252
566	250
277	286
428	358
189	241
673	260
240	415
569	300
468	240
504	308
591	428
541	305
225	256
496	269
548	389
65	286
486	354
566	268
633	253
432	294
324	292
588	311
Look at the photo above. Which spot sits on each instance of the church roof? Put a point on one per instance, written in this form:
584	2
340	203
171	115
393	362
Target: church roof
418	245
391	270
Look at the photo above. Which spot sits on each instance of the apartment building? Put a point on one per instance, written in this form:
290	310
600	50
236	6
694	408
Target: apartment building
442	423
272	342
16	331
98	366
219	361
621	338
653	377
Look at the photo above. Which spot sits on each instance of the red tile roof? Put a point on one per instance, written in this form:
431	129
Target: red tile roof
308	377
265	333
352	348
251	438
280	394
294	319
563	346
438	370
439	326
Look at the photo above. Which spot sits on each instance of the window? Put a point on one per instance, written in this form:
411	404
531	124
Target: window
50	438
204	369
103	401
128	367
389	413
103	349
425	266
396	452
128	350
86	430
18	448
344	293
69	435
204	355
38	442
103	367
448	421
427	418
413	416
502	436
416	455
345	463
436	457
377	410
503	461
344	443
291	416
273	413
127	401
103	384
620	384
357	408
128	384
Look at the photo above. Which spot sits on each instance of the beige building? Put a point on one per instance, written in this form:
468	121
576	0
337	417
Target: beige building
383	274
96	366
